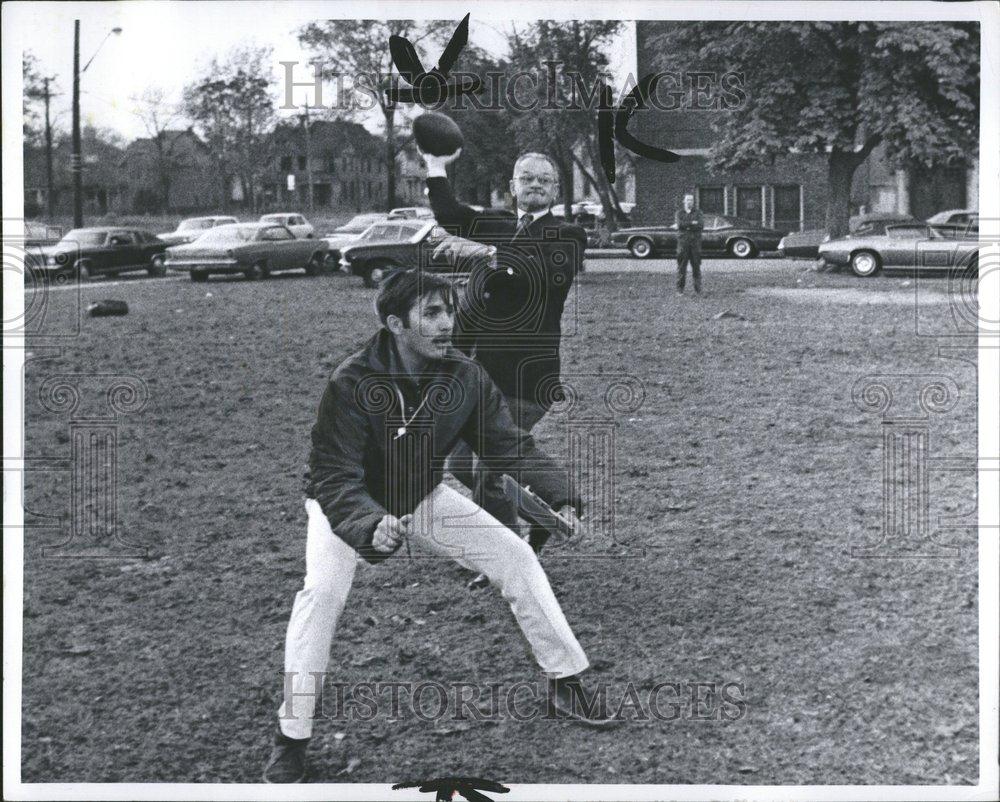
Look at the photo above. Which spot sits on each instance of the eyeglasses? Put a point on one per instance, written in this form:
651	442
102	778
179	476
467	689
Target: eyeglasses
544	180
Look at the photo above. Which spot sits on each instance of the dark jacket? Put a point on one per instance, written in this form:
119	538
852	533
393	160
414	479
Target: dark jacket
511	314
689	225
359	469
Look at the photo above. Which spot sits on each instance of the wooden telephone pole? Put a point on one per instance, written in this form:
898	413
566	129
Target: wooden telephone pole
309	168
49	191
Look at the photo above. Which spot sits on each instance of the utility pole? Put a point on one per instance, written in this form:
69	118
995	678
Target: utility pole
76	160
309	169
50	195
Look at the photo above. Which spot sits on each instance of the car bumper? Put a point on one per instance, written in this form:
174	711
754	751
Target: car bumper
834	257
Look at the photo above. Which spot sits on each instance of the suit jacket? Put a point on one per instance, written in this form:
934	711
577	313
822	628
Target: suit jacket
511	314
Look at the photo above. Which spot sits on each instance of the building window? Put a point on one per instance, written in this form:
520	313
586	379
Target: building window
712	200
749	204
286	164
302	162
787	211
331	163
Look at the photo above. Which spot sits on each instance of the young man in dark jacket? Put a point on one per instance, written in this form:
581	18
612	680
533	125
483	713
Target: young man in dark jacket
389	417
510	318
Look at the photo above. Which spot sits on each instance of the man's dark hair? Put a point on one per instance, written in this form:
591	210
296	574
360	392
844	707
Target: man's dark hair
399	292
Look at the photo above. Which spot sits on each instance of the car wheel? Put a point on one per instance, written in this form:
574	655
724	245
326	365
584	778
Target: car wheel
199	275
315	265
331	262
742	248
158	267
256	271
641	247
865	263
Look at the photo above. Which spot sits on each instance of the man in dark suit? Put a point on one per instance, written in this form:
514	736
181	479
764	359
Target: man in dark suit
690	223
510	316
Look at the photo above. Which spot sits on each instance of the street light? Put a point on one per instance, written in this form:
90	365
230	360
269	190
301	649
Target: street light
76	161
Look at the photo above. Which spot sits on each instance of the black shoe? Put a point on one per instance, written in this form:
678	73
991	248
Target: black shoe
567	698
287	763
478	582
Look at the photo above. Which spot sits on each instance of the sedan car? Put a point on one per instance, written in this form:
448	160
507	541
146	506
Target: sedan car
87	252
295	223
254	249
955	217
189	230
905	246
805	244
347	234
721	235
394	244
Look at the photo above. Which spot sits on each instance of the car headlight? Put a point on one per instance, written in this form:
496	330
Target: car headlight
781	244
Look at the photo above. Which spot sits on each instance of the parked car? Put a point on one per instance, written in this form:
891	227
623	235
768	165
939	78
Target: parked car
721	235
295	223
254	249
87	252
805	244
345	235
411	213
189	230
915	245
394	244
955	217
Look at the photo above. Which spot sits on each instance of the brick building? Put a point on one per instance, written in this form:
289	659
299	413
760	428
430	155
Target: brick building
791	193
348	169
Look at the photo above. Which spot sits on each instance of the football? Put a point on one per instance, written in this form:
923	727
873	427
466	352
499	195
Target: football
437	134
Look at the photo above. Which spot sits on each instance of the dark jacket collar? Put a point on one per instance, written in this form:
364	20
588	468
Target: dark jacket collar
383	357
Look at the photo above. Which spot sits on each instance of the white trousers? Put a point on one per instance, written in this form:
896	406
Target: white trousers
445	524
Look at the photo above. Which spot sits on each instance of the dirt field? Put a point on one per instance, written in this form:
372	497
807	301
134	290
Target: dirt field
742	483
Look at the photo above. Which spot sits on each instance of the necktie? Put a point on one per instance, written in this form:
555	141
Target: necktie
522	226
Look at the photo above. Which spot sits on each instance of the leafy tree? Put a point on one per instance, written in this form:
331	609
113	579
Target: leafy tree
233	108
157	117
359	49
840	89
33	98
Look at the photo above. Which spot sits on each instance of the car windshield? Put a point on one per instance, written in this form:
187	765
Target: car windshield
389	233
228	233
273	218
194	225
81	236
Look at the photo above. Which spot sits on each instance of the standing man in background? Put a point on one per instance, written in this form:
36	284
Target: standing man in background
510	317
689	222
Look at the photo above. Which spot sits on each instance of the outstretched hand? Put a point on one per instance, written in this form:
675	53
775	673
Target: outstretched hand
390	533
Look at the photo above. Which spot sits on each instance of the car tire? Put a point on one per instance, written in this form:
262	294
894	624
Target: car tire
641	247
199	276
315	265
865	264
742	248
257	271
158	266
374	273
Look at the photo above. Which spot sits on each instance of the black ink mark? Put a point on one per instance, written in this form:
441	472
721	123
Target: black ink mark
429	88
634	100
447	787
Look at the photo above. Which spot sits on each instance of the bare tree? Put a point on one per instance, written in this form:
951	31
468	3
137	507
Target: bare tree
158	117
